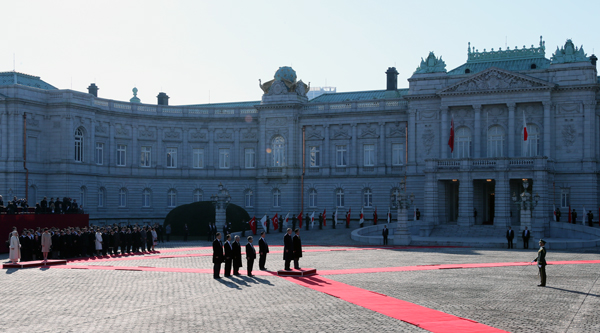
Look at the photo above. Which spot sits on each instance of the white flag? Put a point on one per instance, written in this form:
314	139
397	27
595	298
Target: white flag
263	222
312	220
389	217
285	223
335	217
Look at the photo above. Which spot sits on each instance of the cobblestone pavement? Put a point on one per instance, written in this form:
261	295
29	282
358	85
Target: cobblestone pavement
70	300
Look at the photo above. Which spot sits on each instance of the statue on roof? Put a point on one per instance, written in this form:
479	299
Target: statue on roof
569	53
431	65
134	99
284	82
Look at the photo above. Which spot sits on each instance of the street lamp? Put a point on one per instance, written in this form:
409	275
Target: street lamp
403	202
524	201
220	201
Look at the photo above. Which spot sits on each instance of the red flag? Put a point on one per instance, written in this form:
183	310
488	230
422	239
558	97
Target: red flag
375	217
569	213
275	221
524	127
300	220
348	216
325	217
451	139
253	225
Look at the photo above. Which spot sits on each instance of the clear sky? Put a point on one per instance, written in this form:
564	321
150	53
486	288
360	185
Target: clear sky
190	48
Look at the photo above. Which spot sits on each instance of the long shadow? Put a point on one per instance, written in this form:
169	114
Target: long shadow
315	281
237	280
11	270
259	280
228	283
574	291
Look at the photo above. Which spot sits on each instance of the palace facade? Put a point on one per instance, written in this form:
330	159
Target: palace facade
128	160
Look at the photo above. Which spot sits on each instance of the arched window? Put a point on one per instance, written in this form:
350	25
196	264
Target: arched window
171	198
82	196
394	197
122	197
339	197
101	197
278	151
198	195
495	141
249	198
276	198
367	198
78	145
312	198
531	147
463	143
146	196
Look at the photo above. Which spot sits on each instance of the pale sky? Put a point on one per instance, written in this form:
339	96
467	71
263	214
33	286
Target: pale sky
190	48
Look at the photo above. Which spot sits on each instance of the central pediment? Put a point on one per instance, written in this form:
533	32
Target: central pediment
495	80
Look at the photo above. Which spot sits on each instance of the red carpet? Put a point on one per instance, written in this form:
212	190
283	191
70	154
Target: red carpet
425	318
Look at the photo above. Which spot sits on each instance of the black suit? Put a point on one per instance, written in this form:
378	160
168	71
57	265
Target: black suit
510	234
288	250
228	258
526	235
263	249
250	256
237	258
297	244
217	257
385	234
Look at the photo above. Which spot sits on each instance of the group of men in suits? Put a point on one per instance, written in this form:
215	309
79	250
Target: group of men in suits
292	249
510	235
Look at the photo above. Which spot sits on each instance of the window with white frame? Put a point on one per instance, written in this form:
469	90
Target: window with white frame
339	197
198	157
462	143
312	198
397	154
171	198
121	154
99	153
367	198
276	198
495	141
146	156
146	198
198	195
278	151
369	155
224	158
122	197
341	155
171	157
249	158
79	145
101	197
82	196
531	147
249	198
565	198
315	156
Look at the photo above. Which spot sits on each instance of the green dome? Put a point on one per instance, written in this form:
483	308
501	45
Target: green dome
285	73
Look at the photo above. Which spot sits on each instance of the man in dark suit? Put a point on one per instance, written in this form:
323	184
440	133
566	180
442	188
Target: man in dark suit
263	249
574	216
44	205
320	221
250	255
288	249
209	232
237	256
297	244
228	255
385	234
510	234
217	256
590	218
526	235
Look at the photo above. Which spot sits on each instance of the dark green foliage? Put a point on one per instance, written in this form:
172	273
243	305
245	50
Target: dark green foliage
198	215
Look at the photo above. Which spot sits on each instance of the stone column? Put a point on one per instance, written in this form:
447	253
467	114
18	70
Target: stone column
589	143
237	155
477	135
412	139
381	149
136	150
112	148
511	129
465	201
353	151
401	234
444	149
547	136
212	155
326	149
429	213
159	147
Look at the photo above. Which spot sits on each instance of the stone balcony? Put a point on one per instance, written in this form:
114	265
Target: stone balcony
493	164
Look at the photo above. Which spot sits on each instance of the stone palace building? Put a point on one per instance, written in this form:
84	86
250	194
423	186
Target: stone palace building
132	161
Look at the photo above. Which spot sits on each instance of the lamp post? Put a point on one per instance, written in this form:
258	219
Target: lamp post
526	204
403	203
220	201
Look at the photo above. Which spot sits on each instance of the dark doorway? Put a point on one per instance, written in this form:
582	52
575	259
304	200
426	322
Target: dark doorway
484	200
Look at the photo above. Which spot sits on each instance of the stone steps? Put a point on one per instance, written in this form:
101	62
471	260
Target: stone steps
476	231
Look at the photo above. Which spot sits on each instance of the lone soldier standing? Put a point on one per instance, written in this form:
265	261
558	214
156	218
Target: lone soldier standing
541	262
385	234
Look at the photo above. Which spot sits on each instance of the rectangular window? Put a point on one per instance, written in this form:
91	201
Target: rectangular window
312	199
397	154
565	198
99	153
249	198
100	198
145	158
198	156
315	156
146	199
171	157
249	157
122	198
224	158
121	153
341	156
369	155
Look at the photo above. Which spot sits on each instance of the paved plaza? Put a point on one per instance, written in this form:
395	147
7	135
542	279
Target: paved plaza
173	291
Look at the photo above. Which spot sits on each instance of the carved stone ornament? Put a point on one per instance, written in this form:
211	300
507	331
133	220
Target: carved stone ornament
569	108
531	110
341	134
431	65
101	129
224	136
569	134
276	122
569	53
249	135
493	80
369	133
172	135
198	136
277	88
33	122
314	135
144	134
428	115
496	111
122	131
428	138
397	132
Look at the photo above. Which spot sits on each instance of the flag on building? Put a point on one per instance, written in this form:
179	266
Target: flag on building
335	217
375	216
554	211
524	127
275	221
389	216
570	214
451	139
325	217
415	213
263	222
312	220
362	216
300	220
285	222
253	225
348	216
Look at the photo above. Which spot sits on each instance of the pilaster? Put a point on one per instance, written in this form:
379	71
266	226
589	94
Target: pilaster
547	123
511	129
444	149
477	136
412	144
381	149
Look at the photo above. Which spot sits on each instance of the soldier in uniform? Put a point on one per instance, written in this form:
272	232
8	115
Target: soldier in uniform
541	262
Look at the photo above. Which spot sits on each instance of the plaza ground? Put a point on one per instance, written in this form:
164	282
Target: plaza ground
173	291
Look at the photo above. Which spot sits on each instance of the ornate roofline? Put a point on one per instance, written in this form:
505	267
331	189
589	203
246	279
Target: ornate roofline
475	56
